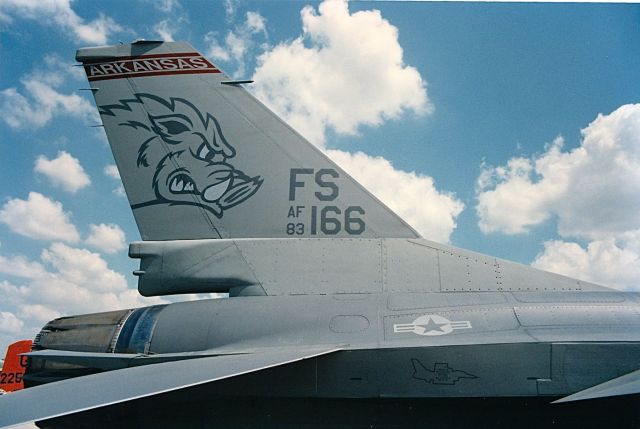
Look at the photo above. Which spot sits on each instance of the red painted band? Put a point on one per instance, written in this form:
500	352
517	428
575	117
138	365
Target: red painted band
157	73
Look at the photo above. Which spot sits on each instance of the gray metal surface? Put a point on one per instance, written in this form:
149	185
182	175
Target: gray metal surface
314	266
237	202
264	179
97	390
111	361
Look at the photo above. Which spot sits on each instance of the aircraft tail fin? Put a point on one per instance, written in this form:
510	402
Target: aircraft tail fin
200	157
14	366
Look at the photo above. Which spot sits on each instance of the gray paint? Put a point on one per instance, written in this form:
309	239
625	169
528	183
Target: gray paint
287	266
85	393
412	318
264	147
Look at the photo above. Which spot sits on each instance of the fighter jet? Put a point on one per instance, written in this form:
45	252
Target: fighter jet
331	295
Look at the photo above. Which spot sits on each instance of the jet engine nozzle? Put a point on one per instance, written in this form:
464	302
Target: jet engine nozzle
122	331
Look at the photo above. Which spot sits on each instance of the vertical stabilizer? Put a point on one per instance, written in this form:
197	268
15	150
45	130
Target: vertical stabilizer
202	158
14	366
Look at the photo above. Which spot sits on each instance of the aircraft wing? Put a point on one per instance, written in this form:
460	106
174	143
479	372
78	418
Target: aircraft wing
112	387
628	384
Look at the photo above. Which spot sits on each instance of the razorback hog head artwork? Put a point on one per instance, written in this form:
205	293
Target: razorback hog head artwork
188	152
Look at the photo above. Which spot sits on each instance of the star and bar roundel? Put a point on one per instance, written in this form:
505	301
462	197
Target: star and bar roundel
431	325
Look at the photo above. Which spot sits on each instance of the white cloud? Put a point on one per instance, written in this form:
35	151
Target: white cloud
238	42
515	203
112	171
606	262
165	29
346	70
412	196
120	192
64	171
216	50
43	100
38	217
324	79
175	18
593	192
68	281
256	23
9	322
38	313
60	13
166	6
19	266
108	238
77	281
230	7
82	267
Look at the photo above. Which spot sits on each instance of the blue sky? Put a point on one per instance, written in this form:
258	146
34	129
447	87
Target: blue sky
511	128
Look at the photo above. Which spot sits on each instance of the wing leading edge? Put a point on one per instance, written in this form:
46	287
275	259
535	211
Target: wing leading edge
107	388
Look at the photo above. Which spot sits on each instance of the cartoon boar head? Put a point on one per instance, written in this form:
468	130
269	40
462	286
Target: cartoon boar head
187	151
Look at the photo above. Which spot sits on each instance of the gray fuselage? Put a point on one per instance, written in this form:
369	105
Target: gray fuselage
478	344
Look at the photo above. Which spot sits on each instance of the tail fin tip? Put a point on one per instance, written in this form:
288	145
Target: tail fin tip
14	366
202	158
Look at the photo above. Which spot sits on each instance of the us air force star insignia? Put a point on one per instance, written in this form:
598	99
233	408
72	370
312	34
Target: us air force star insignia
431	324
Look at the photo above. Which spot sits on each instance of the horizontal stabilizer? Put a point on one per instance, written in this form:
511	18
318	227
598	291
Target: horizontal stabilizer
628	384
113	387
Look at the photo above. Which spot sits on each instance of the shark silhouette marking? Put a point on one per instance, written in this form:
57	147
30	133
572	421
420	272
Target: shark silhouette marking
188	151
441	373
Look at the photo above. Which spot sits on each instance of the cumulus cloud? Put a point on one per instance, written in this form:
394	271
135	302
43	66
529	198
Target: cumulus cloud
108	238
237	43
411	195
65	281
511	186
9	322
120	192
64	171
323	79
38	313
112	171
68	280
175	18
346	70
82	267
38	217
19	266
60	14
165	29
591	190
230	7
609	262
41	100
